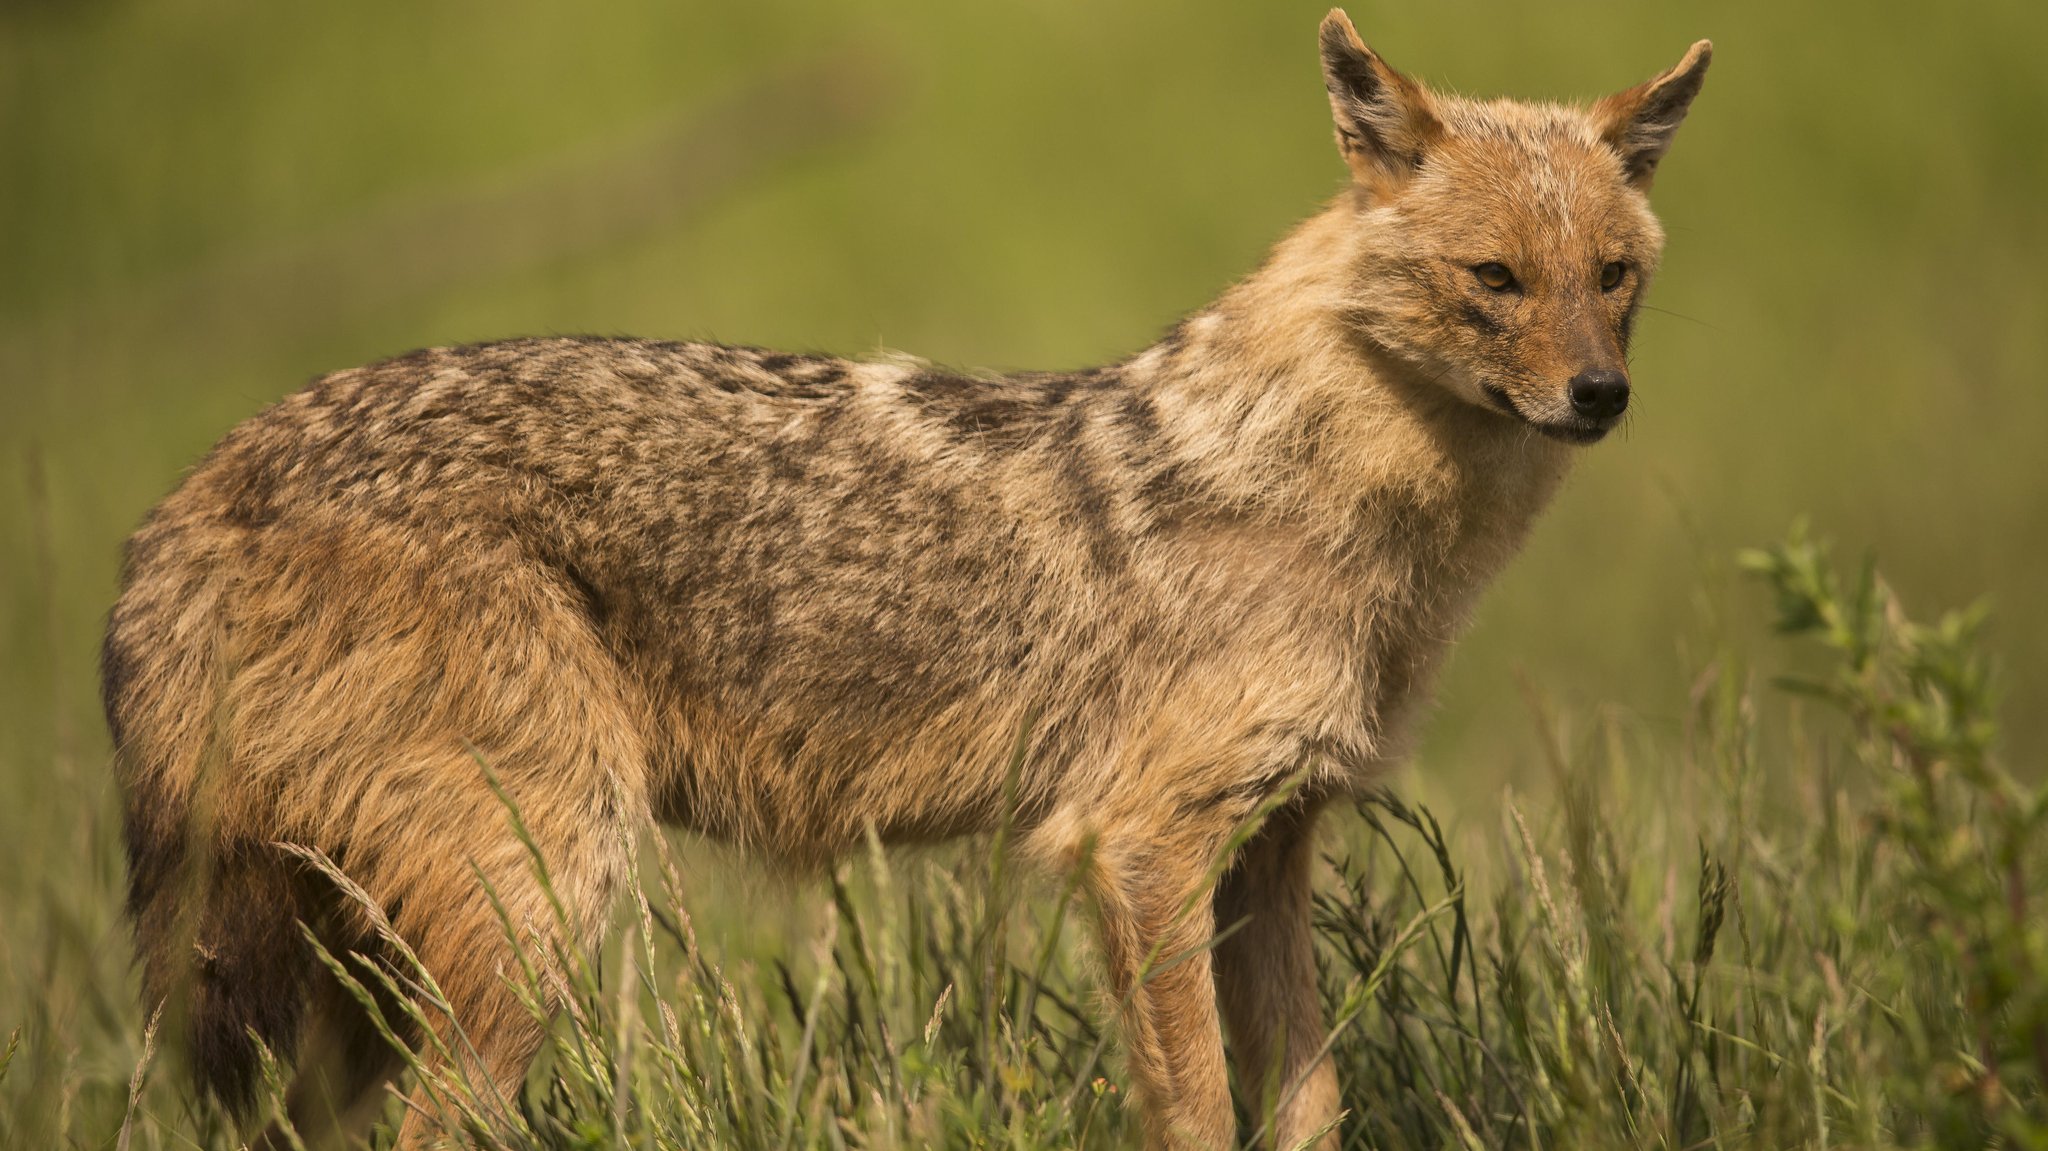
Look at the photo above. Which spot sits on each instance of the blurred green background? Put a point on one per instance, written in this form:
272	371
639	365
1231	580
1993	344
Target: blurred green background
203	204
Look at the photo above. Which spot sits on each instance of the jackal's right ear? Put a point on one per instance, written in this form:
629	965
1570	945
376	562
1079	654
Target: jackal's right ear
1384	123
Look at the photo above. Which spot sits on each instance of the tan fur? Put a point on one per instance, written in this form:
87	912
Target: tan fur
778	599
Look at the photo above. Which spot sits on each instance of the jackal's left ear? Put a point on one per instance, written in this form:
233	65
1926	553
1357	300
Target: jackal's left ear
1640	121
1384	123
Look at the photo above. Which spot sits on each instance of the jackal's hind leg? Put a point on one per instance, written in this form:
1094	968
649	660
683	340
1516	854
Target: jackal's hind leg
490	1031
345	1065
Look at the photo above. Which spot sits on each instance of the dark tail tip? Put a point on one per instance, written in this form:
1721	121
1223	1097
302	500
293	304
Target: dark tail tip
244	972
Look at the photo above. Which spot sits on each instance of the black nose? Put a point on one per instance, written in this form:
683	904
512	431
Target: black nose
1600	394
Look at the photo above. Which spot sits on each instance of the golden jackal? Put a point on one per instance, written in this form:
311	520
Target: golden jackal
781	598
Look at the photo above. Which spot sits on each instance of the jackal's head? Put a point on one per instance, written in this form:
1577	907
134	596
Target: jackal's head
1505	246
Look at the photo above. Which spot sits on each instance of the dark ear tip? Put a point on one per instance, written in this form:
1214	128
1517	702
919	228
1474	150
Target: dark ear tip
1338	34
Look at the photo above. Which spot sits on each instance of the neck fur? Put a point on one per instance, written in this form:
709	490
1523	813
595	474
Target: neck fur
1282	406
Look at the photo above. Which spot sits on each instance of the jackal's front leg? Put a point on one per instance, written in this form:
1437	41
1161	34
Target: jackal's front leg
1157	924
1266	980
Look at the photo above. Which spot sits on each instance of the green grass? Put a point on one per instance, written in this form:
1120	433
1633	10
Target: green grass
1702	944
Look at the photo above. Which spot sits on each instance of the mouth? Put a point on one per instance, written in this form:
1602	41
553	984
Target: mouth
1575	432
1572	430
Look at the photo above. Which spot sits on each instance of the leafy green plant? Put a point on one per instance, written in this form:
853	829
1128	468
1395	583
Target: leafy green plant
1961	837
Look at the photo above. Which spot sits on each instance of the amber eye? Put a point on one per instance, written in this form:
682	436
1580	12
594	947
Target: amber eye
1495	276
1611	274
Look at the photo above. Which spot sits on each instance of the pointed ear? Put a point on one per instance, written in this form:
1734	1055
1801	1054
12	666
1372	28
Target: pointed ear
1384	123
1640	122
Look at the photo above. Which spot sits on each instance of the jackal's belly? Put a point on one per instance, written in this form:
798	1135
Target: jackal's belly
807	787
1065	722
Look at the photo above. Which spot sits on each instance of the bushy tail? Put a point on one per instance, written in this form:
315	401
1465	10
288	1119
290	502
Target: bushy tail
216	919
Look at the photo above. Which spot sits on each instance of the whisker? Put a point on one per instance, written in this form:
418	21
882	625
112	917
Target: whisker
1681	315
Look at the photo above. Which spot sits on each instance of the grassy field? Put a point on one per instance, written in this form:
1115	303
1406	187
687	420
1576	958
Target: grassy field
204	204
1675	951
